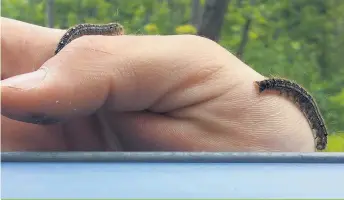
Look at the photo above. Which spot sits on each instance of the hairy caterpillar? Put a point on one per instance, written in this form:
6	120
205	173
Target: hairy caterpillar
305	102
89	29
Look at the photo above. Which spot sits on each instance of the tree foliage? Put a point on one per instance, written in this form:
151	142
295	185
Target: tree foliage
302	40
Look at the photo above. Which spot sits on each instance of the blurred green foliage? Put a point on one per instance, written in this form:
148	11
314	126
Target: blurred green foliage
302	40
336	143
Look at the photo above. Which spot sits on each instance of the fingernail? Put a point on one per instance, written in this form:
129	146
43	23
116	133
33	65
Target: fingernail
25	81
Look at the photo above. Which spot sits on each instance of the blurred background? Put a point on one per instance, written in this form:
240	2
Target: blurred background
301	40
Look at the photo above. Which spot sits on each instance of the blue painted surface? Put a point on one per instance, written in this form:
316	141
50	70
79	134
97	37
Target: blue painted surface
172	180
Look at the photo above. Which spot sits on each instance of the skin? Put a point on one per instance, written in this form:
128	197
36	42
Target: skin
137	93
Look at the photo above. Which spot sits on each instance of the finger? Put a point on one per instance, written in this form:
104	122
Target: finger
146	131
121	73
19	136
32	44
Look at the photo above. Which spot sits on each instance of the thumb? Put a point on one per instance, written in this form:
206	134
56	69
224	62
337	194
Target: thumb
97	71
53	93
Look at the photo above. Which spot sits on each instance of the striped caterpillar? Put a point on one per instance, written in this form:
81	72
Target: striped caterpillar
88	29
304	101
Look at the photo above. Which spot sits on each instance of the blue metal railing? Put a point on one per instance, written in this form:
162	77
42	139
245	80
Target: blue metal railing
172	175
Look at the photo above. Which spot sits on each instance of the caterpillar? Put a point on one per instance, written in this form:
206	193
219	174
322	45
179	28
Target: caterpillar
88	29
305	102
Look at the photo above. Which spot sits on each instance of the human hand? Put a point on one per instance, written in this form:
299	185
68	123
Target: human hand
137	93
